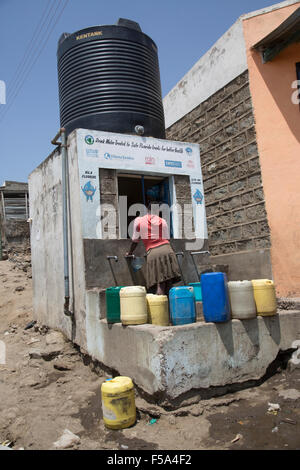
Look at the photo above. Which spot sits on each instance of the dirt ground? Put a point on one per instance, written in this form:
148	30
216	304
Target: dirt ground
47	387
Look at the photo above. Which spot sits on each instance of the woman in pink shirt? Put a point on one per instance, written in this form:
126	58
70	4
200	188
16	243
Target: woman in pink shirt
162	266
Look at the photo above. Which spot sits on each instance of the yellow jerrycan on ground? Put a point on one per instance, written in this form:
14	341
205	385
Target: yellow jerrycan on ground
133	305
265	297
158	309
118	403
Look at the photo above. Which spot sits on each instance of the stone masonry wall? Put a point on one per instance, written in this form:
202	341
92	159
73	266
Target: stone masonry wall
184	200
108	195
224	127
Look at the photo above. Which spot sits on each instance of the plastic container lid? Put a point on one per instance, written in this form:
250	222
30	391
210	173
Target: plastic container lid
114	290
117	384
156	299
181	291
262	283
238	284
132	291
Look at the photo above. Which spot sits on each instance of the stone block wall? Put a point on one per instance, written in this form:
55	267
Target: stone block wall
184	200
224	127
109	196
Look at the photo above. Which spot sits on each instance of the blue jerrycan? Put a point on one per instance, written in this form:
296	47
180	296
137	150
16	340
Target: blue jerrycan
215	297
182	305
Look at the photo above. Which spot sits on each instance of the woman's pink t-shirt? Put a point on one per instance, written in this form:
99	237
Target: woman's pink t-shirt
152	230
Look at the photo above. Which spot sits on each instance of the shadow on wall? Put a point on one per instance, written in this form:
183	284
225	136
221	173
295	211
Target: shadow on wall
273	327
251	328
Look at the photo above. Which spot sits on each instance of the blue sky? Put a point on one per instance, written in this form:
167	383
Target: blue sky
182	30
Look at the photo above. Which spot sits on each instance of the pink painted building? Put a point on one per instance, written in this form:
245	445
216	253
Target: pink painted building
240	103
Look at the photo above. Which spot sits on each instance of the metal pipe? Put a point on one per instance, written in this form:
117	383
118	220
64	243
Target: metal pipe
112	271
195	266
54	141
63	146
180	253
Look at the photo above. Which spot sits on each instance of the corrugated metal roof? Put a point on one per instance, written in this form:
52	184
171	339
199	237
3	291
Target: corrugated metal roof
281	37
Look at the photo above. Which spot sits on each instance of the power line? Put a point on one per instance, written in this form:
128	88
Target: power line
32	60
29	50
23	79
22	67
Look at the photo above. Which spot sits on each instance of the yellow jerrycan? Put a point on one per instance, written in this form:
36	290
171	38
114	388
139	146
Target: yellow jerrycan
265	297
118	403
133	305
158	309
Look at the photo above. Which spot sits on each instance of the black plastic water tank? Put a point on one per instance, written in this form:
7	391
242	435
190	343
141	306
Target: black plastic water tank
109	80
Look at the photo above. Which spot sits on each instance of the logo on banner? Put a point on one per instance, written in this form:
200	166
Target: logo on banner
89	139
92	152
89	191
190	164
149	160
108	156
173	164
198	196
189	151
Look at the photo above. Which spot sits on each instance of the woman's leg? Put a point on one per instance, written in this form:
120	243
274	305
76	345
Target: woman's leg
169	285
161	288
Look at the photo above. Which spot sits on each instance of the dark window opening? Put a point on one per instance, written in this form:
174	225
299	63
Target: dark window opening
16	205
139	189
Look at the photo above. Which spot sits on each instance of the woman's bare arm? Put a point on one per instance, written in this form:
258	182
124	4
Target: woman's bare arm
132	248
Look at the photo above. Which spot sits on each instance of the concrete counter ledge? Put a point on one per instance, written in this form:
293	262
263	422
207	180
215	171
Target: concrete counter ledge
168	362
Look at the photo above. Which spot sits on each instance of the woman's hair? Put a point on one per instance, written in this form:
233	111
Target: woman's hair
157	205
149	204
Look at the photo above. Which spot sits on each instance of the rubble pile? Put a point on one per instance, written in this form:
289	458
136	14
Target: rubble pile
20	256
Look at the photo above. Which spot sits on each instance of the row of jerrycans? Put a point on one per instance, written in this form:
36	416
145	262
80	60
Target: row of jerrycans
133	306
222	300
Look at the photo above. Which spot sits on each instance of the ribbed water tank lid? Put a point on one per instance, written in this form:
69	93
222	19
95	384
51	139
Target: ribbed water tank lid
128	24
123	22
62	37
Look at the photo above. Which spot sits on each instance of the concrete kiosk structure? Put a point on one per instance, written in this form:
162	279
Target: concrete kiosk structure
165	362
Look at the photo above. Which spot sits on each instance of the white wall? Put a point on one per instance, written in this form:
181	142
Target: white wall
45	194
225	61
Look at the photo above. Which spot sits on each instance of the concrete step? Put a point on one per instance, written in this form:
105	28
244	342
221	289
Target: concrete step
288	303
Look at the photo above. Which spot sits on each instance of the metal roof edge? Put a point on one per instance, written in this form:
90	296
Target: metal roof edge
263	11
